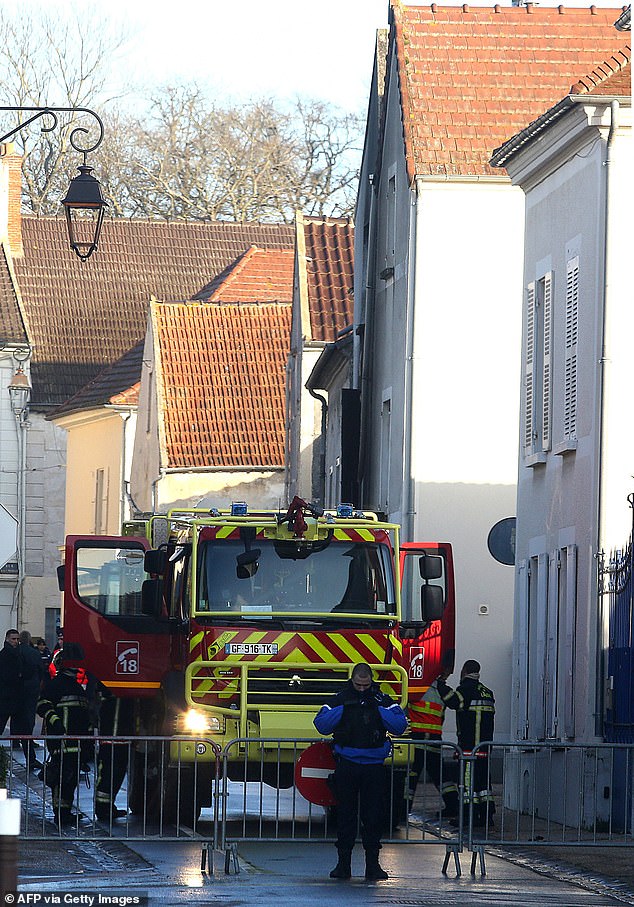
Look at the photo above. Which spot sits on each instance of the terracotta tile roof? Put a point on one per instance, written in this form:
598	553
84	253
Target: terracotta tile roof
471	76
329	267
130	397
117	384
221	383
12	328
259	275
612	78
83	317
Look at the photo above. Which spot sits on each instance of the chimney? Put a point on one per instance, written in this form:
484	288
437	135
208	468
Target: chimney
10	198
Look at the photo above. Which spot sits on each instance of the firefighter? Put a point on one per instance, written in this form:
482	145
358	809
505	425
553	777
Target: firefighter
116	719
358	717
64	707
426	718
474	705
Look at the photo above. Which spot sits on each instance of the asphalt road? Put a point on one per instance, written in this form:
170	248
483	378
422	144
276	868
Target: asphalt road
287	873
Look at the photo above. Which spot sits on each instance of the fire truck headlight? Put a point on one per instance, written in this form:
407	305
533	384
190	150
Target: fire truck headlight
196	722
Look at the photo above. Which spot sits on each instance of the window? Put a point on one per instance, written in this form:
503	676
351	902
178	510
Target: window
386	445
101	502
110	579
538	367
390	231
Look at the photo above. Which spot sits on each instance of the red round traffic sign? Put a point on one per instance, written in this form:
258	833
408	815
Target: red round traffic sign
312	769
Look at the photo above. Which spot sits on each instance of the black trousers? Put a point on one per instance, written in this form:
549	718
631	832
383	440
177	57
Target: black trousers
444	777
112	765
360	792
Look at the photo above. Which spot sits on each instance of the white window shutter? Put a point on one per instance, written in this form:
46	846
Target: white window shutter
529	371
547	368
572	314
570	624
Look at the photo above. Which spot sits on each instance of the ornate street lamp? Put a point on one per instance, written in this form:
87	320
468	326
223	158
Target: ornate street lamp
20	393
84	202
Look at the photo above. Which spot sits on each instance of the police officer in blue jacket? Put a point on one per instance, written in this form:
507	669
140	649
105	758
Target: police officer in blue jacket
359	718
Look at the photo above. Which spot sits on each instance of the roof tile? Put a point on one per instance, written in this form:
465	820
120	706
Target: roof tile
330	270
496	69
84	316
222	382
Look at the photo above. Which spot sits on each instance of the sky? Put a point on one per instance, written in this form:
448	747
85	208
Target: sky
320	49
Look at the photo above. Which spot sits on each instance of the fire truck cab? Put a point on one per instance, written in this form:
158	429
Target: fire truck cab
237	625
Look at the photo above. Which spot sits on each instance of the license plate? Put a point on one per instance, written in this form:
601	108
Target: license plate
250	648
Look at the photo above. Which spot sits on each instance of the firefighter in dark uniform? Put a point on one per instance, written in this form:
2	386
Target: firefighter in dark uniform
358	718
474	705
64	707
116	719
426	716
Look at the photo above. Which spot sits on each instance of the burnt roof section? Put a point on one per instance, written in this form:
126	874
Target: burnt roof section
330	271
84	316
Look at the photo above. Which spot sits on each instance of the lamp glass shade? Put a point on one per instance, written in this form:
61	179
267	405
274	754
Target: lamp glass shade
85	206
19	392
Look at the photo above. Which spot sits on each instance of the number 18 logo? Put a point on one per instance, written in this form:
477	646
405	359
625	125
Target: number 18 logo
127	657
417	663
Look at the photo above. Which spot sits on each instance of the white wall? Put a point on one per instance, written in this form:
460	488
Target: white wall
458	268
558	499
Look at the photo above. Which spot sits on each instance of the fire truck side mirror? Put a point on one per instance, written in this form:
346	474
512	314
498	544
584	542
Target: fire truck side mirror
432	603
430	566
155	561
152	597
61	572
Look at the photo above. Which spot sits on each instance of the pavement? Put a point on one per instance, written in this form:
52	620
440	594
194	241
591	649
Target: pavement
273	873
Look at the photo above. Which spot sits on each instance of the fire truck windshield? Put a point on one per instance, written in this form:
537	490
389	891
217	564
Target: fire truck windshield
337	579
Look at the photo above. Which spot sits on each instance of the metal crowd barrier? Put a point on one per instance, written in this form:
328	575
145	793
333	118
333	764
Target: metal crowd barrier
168	787
527	795
253	810
552	793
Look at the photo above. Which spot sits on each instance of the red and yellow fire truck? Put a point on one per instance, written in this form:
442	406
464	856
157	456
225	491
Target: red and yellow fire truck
238	625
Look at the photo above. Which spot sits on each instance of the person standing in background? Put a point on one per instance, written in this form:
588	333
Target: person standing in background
32	677
474	705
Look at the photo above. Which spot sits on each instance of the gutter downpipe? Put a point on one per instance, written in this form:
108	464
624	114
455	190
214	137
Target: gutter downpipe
321	468
22	425
123	497
603	394
409	487
366	369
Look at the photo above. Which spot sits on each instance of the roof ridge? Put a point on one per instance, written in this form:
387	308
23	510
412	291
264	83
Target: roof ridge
603	71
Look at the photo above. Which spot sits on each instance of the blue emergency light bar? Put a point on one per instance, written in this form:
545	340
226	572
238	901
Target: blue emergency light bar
239	508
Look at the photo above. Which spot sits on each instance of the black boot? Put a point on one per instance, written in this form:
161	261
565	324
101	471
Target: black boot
373	871
342	870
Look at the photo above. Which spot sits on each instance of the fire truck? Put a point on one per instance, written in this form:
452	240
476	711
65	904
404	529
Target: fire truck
237	625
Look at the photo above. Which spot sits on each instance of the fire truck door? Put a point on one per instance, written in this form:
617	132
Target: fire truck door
426	587
103	581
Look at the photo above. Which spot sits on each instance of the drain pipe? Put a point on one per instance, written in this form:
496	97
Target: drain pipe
367	352
604	379
409	486
321	462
